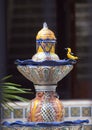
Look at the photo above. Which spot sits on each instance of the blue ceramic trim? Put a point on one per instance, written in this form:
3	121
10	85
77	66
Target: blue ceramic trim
44	124
45	62
46	41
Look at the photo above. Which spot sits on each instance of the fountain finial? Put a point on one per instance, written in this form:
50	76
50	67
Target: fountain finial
45	25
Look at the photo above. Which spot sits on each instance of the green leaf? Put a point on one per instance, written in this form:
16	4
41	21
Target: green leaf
6	77
14	89
9	91
11	84
10	96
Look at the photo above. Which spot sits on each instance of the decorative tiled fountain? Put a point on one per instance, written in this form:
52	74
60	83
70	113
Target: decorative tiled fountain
45	69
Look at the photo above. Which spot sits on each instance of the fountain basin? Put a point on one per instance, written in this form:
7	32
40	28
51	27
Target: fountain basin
45	74
66	125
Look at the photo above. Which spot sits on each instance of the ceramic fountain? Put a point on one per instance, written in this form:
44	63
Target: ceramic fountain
45	69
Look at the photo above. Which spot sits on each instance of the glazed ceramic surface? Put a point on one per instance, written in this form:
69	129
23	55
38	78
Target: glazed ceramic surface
45	69
45	74
46	107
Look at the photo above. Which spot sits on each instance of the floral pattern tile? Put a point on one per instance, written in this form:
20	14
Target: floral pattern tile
86	111
18	113
75	111
6	113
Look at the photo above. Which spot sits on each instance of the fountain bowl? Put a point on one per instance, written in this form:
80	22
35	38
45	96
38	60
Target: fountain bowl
44	75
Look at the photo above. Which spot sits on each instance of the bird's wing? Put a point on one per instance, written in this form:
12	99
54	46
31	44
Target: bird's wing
72	53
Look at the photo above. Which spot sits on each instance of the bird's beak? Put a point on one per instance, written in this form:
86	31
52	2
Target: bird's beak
66	48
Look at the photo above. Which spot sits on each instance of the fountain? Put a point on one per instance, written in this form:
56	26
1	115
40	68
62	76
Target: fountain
45	69
45	74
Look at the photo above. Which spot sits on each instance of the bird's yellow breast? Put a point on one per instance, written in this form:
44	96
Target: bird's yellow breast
71	56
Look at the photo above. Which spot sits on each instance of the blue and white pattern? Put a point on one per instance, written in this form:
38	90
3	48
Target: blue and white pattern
44	124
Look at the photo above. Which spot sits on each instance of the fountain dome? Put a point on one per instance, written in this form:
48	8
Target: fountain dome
45	45
45	33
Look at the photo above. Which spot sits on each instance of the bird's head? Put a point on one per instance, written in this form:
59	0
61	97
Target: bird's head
68	49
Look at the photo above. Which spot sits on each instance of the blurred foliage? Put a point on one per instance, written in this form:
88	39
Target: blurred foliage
9	92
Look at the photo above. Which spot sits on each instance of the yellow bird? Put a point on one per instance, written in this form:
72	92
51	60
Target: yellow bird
70	54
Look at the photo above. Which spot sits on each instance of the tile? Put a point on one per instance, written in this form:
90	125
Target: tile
6	113
89	127
18	113
75	111
66	112
86	111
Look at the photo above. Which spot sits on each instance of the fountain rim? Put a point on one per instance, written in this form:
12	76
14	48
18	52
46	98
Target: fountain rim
44	124
45	62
